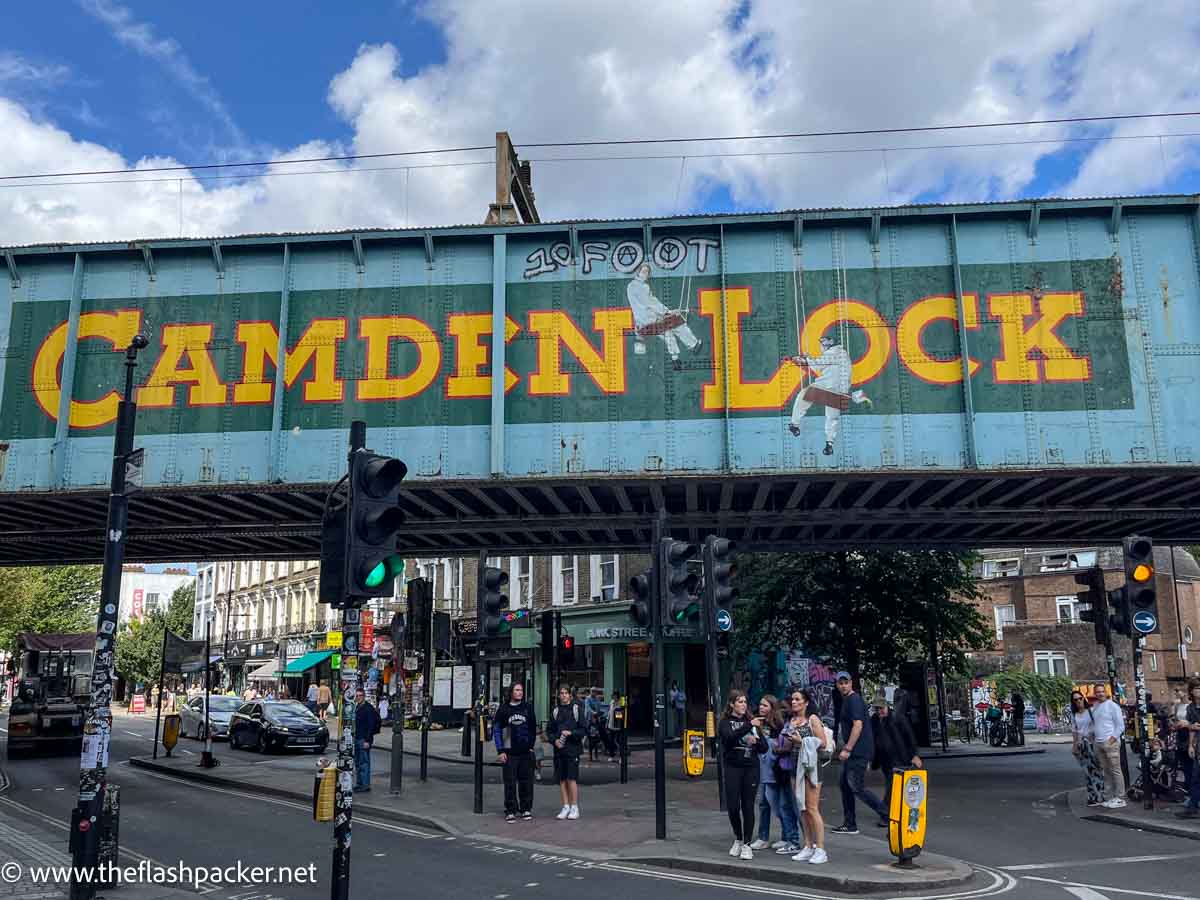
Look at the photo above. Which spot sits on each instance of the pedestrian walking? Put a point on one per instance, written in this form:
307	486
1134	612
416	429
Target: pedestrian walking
565	730
1109	728
858	749
366	726
515	733
1191	808
385	709
1083	746
742	742
895	747
324	698
775	783
616	725
679	708
808	736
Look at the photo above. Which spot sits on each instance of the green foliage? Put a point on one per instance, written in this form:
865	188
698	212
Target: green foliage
1050	691
47	599
139	644
867	611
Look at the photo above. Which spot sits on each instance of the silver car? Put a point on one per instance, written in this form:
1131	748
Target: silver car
191	716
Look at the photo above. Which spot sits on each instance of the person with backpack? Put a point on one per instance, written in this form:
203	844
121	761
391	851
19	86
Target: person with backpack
366	726
742	742
566	730
515	731
858	749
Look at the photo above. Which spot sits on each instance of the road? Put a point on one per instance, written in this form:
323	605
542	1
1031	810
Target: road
1008	814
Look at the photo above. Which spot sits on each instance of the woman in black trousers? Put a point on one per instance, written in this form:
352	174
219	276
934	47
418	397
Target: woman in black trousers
742	741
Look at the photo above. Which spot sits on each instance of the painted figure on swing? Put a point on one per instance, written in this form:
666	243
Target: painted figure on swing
830	388
651	318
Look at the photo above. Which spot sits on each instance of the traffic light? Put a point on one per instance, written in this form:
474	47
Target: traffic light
1095	596
331	586
719	569
679	602
492	601
1141	595
420	608
547	636
640	609
373	524
566	651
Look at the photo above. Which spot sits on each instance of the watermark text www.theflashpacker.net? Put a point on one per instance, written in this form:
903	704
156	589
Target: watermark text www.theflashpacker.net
145	872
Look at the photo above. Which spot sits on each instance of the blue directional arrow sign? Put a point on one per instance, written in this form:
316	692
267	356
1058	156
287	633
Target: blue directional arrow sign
724	620
1144	621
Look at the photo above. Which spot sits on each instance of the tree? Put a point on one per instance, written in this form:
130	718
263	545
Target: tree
867	611
47	599
139	644
181	610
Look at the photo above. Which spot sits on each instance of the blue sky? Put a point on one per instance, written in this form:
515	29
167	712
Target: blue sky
99	84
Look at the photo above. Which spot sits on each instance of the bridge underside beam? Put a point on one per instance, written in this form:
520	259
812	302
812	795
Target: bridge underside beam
830	510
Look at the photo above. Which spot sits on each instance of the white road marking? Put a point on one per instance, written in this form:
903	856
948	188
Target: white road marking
134	733
1085	893
1110	888
5	730
1076	863
60	789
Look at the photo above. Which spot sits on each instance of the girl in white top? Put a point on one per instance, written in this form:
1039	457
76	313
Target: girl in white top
1083	735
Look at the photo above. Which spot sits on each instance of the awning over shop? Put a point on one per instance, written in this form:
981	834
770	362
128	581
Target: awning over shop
307	661
268	672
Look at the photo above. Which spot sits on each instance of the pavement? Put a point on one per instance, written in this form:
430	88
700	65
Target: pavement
617	824
1161	819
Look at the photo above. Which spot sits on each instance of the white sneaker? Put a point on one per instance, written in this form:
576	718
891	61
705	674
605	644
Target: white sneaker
759	845
747	853
563	813
1115	803
804	855
736	850
788	849
574	813
819	856
776	845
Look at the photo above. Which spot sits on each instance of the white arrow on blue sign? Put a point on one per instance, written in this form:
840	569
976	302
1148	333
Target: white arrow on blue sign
724	620
1144	621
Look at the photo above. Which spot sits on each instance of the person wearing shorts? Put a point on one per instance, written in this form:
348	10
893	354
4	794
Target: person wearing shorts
566	730
805	730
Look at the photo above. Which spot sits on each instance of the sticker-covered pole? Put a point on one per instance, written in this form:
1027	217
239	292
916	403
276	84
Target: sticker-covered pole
86	818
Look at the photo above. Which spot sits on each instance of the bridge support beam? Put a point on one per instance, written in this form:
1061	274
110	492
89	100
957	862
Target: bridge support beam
499	323
275	464
963	351
62	428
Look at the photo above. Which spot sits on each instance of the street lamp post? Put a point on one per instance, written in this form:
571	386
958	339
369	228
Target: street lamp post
88	815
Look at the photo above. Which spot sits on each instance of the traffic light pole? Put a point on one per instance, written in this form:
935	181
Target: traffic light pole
87	816
712	666
426	686
480	674
1143	737
339	888
658	668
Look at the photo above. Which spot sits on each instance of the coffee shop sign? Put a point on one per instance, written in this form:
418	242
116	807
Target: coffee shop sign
625	257
635	633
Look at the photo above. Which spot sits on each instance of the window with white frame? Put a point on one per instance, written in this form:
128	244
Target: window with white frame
605	571
520	582
1068	609
1005	614
565	589
1054	562
1001	568
1050	662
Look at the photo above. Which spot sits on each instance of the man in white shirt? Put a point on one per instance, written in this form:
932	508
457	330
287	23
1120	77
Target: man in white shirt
651	317
1110	726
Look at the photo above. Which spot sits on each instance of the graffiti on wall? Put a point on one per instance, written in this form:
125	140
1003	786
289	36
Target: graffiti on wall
782	670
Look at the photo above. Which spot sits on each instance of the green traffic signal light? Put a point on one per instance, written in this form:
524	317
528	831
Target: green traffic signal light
375	577
386	569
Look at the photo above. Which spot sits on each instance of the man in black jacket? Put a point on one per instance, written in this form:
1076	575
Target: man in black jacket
515	730
366	726
566	729
895	747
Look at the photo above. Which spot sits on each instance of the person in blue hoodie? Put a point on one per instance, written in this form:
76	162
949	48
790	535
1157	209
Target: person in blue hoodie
515	731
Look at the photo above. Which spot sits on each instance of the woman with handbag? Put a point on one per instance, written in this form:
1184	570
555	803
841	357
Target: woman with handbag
805	731
1083	735
775	783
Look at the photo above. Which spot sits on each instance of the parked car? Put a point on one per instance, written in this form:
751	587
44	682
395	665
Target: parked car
221	709
269	725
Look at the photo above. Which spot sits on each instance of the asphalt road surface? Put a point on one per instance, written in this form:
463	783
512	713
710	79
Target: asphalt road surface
1006	815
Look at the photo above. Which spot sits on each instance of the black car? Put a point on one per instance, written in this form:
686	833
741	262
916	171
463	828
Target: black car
269	725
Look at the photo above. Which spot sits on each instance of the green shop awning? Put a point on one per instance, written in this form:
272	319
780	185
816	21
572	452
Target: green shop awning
307	661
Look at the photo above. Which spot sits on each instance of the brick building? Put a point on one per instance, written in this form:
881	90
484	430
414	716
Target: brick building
1031	597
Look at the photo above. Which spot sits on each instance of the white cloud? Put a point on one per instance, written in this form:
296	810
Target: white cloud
568	71
14	67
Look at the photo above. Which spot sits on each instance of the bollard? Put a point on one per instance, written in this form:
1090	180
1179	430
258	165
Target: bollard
397	776
466	734
907	815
